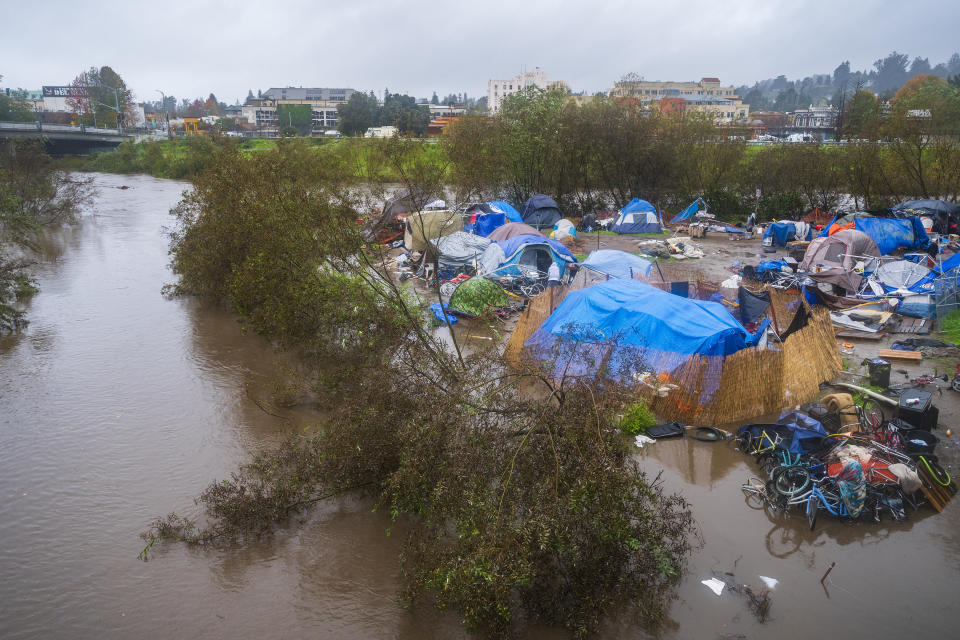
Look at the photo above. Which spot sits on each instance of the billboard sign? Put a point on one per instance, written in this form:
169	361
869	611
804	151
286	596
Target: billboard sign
64	92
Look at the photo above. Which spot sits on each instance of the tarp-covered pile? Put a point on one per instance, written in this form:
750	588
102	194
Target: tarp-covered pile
477	297
663	330
778	234
889	234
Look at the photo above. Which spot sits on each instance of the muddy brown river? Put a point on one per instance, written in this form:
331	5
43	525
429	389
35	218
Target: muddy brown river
118	405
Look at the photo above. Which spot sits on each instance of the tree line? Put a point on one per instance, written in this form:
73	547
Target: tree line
600	154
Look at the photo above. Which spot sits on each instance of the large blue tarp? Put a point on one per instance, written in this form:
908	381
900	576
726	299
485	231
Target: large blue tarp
889	234
485	224
510	246
931	206
507	209
688	212
664	330
618	264
784	232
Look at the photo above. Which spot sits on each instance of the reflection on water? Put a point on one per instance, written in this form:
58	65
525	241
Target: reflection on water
119	405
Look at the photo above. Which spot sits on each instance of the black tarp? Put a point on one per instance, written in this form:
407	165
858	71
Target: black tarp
752	305
541	211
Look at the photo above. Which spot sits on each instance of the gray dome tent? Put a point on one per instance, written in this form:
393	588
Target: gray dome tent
541	211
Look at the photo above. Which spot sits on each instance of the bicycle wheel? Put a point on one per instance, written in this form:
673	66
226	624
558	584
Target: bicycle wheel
871	415
813	506
790	481
756	498
532	290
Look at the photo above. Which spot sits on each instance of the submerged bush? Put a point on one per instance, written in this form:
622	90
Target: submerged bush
637	418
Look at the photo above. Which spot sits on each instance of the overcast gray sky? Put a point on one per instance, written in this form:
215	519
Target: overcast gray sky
190	48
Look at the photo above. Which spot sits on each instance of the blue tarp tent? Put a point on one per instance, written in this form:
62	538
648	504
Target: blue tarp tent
659	328
784	232
541	211
889	234
529	252
506	209
637	216
618	264
687	213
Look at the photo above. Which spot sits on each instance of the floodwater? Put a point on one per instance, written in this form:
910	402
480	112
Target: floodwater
118	405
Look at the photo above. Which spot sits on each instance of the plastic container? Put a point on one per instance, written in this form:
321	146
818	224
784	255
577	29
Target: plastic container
916	409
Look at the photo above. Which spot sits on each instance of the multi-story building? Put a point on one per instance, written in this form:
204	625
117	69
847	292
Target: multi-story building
497	90
705	96
816	118
262	112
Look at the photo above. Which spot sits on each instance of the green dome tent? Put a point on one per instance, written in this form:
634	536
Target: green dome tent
477	297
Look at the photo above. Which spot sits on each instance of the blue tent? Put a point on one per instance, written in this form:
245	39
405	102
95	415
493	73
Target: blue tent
661	329
541	211
529	252
506	209
784	232
889	234
687	213
637	216
618	264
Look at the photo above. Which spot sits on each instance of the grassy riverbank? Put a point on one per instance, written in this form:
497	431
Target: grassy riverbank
186	158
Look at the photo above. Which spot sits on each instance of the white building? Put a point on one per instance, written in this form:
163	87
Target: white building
497	90
381	132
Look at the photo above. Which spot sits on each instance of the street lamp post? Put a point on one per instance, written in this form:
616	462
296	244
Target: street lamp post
166	113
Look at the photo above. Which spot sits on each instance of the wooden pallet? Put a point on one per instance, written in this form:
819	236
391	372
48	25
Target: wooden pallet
897	354
935	493
912	325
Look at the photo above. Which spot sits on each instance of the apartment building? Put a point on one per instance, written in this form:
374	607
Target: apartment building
706	96
497	90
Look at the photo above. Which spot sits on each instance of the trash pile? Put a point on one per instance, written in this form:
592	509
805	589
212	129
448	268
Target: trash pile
877	272
844	459
679	247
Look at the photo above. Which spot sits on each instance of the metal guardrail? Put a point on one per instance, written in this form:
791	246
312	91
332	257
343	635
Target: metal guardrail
58	128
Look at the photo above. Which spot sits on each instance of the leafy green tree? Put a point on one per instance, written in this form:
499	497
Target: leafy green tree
105	96
357	114
891	72
298	117
15	108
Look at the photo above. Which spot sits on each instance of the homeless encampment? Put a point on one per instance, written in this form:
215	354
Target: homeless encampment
511	230
541	211
889	234
637	216
428	225
778	234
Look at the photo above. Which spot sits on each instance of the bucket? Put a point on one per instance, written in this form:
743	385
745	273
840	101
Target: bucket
879	370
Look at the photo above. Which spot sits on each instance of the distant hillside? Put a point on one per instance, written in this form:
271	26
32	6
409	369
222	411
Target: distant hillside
886	77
